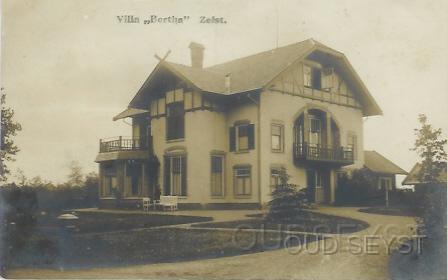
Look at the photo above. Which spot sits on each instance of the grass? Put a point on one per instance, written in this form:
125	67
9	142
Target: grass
73	251
309	222
430	262
393	211
90	222
107	239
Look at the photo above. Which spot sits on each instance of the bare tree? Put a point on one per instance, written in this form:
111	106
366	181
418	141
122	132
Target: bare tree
75	177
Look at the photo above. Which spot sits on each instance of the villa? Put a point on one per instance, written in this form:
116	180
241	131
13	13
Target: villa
217	136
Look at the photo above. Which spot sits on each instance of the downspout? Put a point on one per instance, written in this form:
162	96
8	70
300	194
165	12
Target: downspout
258	129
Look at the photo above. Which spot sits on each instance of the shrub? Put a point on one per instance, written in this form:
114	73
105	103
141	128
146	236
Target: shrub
355	189
288	200
434	214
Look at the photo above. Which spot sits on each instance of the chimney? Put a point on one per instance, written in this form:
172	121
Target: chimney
196	54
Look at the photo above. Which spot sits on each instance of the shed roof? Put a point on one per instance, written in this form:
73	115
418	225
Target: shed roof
379	164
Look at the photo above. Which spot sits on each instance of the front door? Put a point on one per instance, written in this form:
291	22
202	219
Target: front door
318	184
311	184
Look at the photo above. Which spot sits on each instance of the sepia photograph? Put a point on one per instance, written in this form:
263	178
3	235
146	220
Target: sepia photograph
289	139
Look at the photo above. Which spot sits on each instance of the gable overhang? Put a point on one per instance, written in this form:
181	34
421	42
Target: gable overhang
369	105
162	69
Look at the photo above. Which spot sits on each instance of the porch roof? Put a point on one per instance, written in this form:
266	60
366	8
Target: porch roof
124	155
379	164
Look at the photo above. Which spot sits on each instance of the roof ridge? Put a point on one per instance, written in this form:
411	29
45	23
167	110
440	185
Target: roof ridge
262	52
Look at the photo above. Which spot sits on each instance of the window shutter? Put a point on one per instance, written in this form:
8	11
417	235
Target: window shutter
167	172
232	139
251	136
184	176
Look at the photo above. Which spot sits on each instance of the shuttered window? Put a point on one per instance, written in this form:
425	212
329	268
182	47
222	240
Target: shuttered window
217	175
242	137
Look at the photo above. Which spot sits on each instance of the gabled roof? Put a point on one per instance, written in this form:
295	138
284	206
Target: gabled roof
258	71
379	164
413	177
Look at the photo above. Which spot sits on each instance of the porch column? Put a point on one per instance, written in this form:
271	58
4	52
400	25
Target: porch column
328	130
121	175
100	181
306	126
144	190
332	185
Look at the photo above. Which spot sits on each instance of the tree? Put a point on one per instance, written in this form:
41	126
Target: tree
429	145
21	178
75	177
9	129
288	200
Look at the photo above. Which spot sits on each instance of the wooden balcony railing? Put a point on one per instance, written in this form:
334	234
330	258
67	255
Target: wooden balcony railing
124	144
341	155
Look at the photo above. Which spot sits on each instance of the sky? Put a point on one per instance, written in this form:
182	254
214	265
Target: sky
69	66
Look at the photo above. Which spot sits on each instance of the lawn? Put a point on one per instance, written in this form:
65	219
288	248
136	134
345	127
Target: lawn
393	211
72	251
309	222
89	222
106	239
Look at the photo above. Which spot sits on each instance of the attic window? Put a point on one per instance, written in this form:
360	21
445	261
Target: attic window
311	77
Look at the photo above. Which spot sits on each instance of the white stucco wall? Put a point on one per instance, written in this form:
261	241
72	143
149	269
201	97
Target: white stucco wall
281	107
206	132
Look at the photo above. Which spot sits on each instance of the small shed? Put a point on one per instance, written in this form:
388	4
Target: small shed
413	177
384	169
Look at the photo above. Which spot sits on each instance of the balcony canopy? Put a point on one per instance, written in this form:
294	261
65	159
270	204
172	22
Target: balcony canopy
130	112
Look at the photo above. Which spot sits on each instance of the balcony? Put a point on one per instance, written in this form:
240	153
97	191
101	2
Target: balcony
121	148
323	154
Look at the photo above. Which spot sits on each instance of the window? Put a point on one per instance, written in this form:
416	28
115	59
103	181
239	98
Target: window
134	178
242	137
109	179
274	178
315	130
311	77
242	181
316	78
385	183
175	121
217	175
352	144
277	137
307	72
175	175
327	79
